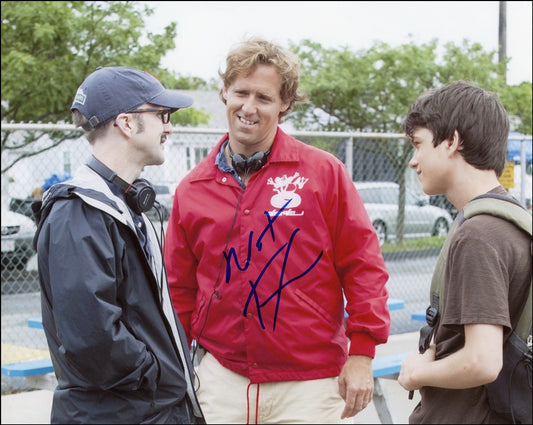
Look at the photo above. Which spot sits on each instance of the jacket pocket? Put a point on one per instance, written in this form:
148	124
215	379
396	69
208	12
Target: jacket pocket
315	307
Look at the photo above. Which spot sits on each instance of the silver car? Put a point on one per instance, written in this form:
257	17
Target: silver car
421	218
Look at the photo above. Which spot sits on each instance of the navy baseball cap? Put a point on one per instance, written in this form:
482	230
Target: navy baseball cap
110	91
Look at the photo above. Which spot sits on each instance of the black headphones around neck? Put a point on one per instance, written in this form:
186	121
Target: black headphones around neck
140	195
248	165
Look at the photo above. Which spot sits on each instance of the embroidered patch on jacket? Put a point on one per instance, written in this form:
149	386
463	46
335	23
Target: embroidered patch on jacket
286	196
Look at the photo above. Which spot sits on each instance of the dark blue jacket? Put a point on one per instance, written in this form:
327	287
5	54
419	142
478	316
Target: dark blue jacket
118	349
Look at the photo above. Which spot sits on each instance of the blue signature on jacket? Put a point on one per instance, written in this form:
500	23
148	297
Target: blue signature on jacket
284	250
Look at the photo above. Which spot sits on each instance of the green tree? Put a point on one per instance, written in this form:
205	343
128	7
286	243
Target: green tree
371	90
49	47
517	101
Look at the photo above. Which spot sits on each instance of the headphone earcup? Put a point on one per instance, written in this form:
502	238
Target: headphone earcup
141	196
238	162
246	165
256	161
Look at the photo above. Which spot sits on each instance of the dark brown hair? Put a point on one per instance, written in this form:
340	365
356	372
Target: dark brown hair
79	120
478	116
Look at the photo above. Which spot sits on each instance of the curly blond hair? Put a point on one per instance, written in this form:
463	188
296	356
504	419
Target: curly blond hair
247	55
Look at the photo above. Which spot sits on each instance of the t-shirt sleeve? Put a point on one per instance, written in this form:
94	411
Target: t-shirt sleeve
477	278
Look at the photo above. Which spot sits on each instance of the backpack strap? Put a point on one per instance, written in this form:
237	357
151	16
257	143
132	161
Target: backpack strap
514	212
510	210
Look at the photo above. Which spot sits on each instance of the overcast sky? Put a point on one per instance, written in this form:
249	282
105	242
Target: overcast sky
206	30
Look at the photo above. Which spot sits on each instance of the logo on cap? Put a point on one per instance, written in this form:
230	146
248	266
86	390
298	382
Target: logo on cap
80	97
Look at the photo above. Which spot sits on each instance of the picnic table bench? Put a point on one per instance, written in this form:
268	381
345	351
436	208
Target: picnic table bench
28	367
419	315
37	372
386	367
395	304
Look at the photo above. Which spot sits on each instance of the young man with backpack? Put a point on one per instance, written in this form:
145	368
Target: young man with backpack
459	133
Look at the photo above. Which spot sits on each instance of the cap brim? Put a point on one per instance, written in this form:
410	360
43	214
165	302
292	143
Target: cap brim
172	99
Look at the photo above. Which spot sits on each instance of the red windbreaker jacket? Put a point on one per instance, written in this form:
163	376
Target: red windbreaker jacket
257	275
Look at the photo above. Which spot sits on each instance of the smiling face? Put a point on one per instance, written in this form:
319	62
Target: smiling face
253	107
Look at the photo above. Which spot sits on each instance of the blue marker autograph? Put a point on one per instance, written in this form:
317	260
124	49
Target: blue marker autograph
286	248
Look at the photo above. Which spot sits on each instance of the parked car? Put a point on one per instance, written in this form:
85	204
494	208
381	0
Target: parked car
164	195
442	202
22	206
17	237
421	218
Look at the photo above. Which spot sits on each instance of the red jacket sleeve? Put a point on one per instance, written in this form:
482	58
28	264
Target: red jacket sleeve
361	270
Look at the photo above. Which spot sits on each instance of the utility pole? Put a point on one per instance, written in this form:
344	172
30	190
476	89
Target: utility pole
502	37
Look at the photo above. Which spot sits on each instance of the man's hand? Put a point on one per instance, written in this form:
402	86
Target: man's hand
356	384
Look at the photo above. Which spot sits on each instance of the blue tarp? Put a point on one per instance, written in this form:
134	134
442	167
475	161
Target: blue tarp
514	147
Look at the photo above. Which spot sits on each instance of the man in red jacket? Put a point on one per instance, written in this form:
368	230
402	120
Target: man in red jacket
266	238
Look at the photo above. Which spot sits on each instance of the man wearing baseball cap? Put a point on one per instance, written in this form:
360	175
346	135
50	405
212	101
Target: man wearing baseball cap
118	349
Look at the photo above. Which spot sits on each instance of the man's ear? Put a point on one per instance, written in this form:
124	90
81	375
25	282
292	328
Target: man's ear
123	123
455	143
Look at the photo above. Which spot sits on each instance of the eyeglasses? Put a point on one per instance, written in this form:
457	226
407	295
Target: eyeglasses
164	114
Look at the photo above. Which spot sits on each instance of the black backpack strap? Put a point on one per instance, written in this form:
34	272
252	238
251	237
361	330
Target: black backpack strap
426	332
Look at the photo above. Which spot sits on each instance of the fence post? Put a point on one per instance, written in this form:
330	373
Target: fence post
348	147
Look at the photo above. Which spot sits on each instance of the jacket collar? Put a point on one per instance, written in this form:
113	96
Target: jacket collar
284	149
93	190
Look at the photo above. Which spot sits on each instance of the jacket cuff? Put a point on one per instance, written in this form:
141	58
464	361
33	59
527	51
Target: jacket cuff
362	344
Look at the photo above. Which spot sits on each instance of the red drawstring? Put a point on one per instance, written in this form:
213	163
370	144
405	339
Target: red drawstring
248	404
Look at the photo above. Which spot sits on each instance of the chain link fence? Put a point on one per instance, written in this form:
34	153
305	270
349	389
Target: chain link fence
377	163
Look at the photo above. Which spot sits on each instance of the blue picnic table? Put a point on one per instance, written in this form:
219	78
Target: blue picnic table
419	315
395	304
35	322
